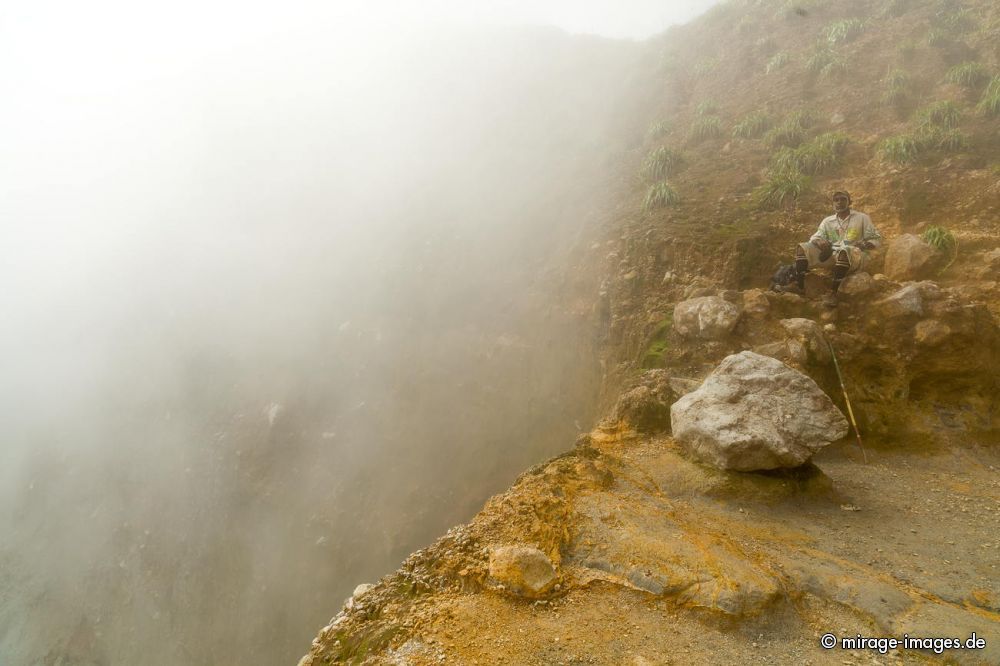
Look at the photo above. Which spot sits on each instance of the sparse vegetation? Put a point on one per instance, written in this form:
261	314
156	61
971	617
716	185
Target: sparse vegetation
707	127
777	61
707	108
659	195
895	8
662	162
826	62
897	87
950	140
938	38
792	131
704	67
900	149
990	103
781	188
906	49
937	115
752	125
841	32
813	157
969	75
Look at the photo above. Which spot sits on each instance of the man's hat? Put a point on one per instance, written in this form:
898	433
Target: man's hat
846	194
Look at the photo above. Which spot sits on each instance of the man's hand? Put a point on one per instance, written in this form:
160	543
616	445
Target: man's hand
863	244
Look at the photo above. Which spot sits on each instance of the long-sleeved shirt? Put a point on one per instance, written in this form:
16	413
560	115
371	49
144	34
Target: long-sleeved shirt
855	227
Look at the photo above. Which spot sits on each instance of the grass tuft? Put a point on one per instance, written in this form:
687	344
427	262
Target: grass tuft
707	108
897	87
990	103
662	162
811	158
657	129
943	240
937	115
841	32
900	149
752	125
707	127
660	195
969	75
777	61
792	131
780	188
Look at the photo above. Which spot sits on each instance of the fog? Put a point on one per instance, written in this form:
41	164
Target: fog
285	295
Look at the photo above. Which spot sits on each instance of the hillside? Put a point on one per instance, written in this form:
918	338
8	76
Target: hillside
759	111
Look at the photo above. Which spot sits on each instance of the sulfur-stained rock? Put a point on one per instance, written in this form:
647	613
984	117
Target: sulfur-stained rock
646	407
706	317
754	412
856	284
909	258
523	570
755	303
809	335
931	333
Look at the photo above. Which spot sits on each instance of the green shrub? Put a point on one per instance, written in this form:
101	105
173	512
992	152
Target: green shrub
662	162
707	108
969	75
957	22
900	149
841	32
811	158
659	195
777	61
937	115
707	127
780	188
752	125
990	103
897	87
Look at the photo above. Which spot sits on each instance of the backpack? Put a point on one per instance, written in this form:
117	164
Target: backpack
783	276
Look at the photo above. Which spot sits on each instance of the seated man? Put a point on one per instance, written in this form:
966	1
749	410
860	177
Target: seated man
840	244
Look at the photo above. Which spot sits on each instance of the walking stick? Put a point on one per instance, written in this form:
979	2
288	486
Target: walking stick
847	400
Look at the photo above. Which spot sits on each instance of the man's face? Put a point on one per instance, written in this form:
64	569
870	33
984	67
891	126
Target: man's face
840	203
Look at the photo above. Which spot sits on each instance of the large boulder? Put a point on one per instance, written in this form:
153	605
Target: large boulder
754	413
706	317
909	258
522	570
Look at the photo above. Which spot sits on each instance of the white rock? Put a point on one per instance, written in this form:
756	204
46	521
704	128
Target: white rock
856	284
909	258
903	303
706	317
754	412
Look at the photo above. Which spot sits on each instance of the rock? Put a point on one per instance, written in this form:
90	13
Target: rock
755	303
909	258
360	590
905	302
837	118
810	335
753	413
682	385
856	284
778	350
646	407
699	286
931	333
523	570
706	317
